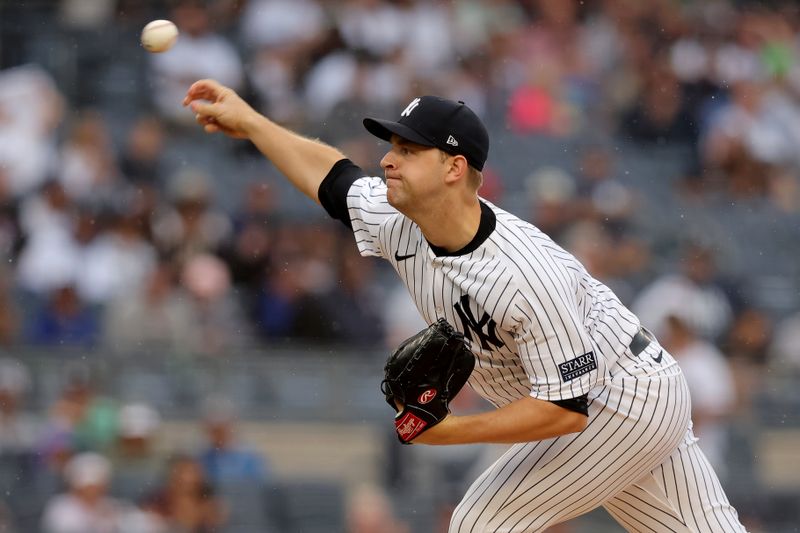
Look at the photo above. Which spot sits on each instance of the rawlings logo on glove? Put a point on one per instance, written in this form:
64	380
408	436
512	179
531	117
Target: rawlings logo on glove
427	396
408	426
423	374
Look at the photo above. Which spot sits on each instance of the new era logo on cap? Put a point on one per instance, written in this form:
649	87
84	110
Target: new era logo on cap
437	122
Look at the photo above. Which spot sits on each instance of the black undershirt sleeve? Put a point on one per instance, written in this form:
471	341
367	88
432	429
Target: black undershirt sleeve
579	404
333	189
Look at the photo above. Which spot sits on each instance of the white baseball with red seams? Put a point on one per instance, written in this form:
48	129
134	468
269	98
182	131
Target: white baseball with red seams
159	36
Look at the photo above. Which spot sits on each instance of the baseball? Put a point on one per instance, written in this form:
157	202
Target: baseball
159	36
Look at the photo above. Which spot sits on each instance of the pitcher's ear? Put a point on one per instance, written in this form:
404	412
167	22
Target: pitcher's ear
458	168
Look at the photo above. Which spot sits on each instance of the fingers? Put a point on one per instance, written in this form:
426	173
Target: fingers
205	110
204	119
210	125
212	102
209	90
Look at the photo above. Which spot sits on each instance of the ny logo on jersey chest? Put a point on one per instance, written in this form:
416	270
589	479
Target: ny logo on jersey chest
472	326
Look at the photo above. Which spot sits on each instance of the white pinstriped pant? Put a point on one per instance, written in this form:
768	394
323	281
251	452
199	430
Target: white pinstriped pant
637	458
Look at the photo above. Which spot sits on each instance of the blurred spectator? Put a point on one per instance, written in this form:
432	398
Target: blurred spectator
748	337
747	348
86	507
117	262
78	420
603	234
334	79
357	292
617	261
479	22
551	193
249	251
281	35
428	40
659	117
10	312
736	60
142	157
137	462
158	315
762	119
50	208
694	293
275	24
50	257
274	82
372	25
466	82
191	224
186	502
291	303
87	167
226	461
369	510
784	189
7	522
276	306
744	176
553	93
226	14
711	385
96	424
198	53
216	312
10	231
30	110
784	349
86	14
18	429
355	79
601	195
537	106
64	320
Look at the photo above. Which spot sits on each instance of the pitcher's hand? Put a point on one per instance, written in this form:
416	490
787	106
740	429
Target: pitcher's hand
218	108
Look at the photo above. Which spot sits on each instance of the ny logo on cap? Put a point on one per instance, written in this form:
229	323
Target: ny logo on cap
407	111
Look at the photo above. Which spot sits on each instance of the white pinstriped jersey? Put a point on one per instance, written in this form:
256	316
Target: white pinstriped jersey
539	324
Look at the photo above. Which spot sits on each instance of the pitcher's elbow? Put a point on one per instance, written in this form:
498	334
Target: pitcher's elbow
575	423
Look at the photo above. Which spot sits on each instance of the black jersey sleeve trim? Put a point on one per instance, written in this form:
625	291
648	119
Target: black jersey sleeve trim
333	189
579	404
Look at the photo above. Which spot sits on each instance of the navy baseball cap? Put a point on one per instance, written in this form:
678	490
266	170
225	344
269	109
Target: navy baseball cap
440	123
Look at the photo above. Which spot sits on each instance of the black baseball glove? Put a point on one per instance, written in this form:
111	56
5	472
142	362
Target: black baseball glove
423	374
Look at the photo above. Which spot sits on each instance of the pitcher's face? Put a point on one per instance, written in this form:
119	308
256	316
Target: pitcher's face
413	173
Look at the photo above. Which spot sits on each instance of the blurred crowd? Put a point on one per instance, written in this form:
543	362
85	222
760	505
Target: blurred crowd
59	472
113	232
123	228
